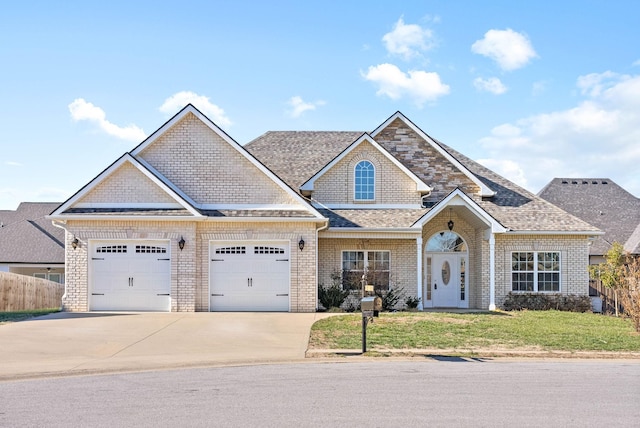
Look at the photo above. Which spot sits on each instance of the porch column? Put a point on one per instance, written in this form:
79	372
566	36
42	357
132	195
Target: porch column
492	272
419	269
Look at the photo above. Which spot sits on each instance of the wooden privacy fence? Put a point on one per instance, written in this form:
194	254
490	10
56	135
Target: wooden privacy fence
606	294
22	293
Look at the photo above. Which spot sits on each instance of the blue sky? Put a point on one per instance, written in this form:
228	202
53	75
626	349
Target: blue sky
532	92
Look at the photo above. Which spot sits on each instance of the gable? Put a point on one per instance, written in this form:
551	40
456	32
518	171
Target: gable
209	169
392	185
425	160
126	186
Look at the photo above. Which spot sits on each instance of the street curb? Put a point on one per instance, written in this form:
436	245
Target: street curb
472	353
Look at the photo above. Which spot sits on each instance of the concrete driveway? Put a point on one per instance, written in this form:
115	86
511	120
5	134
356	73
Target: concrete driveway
82	343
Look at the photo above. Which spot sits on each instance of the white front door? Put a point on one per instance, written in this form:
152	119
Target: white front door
446	280
249	276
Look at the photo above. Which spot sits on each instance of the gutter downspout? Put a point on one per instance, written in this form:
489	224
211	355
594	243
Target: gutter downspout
60	224
419	273
324	227
492	272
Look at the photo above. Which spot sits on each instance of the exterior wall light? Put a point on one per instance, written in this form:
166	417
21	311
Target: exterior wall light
74	243
181	243
450	222
301	244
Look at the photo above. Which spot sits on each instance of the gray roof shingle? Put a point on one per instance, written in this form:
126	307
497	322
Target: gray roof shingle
296	156
26	236
602	203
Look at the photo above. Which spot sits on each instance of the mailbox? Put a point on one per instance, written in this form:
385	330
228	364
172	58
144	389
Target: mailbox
371	306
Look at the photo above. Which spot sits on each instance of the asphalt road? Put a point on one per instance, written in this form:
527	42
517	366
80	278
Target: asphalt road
381	393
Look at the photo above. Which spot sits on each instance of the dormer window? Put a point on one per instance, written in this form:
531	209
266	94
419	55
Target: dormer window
365	181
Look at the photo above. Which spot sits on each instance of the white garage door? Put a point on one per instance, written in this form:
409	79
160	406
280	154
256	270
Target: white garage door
130	276
249	276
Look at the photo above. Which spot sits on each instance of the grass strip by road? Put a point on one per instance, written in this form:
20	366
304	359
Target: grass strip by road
6	317
523	330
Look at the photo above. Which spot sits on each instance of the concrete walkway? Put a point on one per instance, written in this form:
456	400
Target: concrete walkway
83	343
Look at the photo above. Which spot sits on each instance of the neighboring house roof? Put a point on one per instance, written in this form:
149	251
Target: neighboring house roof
27	237
602	203
297	156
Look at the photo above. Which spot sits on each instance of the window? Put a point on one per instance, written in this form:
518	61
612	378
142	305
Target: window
535	271
374	263
364	188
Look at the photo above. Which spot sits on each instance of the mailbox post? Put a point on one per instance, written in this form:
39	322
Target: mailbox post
370	307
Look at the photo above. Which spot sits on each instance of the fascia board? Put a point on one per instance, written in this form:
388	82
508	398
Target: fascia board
484	190
421	186
556	232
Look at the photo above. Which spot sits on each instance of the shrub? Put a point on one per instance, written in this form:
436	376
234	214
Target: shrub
629	291
390	298
544	302
332	296
412	302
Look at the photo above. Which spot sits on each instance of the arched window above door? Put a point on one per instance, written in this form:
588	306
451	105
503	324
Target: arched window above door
446	242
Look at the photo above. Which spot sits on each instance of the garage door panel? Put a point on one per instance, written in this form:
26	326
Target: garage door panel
130	276
249	276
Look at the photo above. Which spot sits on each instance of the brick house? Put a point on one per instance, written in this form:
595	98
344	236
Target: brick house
190	220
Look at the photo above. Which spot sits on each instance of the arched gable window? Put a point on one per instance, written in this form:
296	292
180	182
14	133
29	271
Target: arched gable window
365	181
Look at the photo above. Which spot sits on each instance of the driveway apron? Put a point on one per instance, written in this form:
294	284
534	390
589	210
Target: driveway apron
77	343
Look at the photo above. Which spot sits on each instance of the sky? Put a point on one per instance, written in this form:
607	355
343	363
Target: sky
531	92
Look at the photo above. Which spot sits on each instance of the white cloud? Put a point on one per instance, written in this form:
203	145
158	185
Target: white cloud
510	49
492	84
177	101
598	137
298	106
12	163
408	40
420	86
83	110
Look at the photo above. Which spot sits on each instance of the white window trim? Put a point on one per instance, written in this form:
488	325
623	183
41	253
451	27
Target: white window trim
535	271
355	199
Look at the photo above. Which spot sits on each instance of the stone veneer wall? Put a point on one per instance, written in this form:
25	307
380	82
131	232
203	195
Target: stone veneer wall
421	158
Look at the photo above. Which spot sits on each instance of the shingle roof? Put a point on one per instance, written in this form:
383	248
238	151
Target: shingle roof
296	156
373	218
602	203
517	208
27	237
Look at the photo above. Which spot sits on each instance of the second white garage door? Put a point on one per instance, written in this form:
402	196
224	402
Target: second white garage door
249	276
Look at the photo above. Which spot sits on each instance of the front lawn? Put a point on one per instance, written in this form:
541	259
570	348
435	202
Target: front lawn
524	330
6	317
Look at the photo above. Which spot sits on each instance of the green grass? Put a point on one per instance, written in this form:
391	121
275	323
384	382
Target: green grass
6	317
525	330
